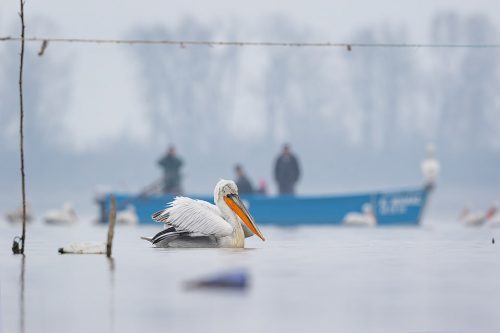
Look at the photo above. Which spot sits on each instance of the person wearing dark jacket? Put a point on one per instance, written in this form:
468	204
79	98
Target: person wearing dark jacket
171	166
242	181
286	171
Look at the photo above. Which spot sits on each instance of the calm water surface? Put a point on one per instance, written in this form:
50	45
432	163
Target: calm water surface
308	279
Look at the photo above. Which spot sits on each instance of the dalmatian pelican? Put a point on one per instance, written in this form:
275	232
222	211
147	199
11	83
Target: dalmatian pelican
197	223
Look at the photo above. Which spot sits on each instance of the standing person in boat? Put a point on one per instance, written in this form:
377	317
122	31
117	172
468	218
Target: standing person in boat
171	166
242	181
286	171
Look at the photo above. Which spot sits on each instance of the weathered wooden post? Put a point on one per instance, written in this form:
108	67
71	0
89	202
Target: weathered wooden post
111	226
18	246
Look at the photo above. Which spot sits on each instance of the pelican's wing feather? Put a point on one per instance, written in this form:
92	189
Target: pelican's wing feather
195	216
216	210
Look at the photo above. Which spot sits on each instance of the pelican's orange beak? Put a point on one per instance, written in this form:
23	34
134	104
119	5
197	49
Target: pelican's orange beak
234	202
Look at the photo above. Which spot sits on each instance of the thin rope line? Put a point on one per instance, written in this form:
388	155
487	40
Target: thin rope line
183	43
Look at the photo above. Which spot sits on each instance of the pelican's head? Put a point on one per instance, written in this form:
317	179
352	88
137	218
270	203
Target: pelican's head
228	191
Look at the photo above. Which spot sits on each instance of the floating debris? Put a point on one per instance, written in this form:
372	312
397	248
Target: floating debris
84	248
95	247
228	280
493	240
16	245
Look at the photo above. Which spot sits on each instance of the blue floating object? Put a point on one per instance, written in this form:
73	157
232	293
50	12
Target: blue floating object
233	279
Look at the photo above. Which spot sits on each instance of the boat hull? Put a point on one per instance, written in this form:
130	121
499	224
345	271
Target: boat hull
401	207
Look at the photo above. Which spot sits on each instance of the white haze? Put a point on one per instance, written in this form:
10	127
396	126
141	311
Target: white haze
100	114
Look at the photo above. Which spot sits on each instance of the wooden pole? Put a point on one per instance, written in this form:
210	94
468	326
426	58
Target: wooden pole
111	226
21	127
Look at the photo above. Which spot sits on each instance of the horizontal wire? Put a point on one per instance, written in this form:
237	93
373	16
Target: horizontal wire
184	43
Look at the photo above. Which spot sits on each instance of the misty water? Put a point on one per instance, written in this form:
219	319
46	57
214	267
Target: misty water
437	277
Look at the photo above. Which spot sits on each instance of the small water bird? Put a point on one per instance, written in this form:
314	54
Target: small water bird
367	218
494	219
197	223
64	216
475	219
16	215
128	216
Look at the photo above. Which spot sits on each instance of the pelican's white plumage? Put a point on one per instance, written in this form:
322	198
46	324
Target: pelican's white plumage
64	216
197	223
197	216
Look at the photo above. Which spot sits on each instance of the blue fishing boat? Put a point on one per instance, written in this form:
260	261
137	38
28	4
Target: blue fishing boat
397	207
